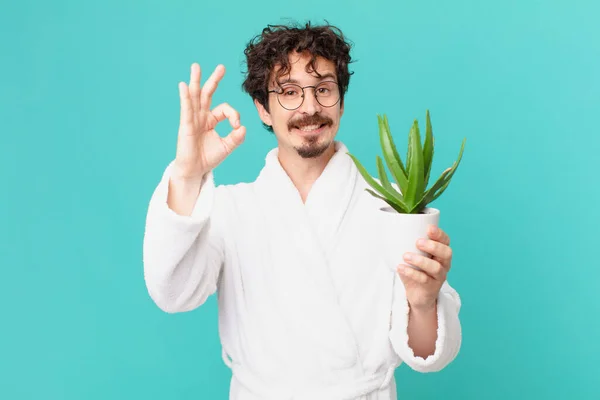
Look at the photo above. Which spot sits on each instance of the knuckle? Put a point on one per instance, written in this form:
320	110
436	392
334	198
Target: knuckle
430	267
428	245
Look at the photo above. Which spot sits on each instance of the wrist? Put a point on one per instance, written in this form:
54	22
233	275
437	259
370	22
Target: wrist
423	308
187	176
186	182
185	186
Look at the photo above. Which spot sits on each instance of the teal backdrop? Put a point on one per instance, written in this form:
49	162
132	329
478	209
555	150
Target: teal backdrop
88	120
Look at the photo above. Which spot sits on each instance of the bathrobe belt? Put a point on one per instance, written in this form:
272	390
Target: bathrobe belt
341	391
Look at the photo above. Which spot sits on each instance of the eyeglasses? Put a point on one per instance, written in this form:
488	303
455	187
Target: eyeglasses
291	95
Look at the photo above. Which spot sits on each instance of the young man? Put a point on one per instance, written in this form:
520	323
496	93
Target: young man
307	307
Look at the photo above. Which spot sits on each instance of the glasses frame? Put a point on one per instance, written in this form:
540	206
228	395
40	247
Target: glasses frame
303	94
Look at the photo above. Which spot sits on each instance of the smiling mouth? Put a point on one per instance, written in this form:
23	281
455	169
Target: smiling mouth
310	128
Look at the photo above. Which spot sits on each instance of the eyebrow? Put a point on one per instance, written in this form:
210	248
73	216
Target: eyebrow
328	75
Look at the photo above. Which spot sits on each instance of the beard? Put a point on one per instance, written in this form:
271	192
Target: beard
311	147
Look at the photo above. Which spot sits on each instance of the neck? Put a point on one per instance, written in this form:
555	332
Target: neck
303	172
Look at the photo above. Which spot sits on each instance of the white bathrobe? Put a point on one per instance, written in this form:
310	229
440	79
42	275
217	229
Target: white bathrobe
308	310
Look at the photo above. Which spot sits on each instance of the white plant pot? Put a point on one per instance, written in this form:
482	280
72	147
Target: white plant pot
401	231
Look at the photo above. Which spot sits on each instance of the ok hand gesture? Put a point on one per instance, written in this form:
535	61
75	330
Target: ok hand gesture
199	147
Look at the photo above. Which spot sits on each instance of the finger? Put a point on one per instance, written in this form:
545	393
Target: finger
435	248
186	111
210	86
416	275
225	111
429	266
447	264
195	74
445	258
234	139
436	233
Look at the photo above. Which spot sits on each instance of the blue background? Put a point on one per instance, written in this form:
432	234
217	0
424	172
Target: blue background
89	112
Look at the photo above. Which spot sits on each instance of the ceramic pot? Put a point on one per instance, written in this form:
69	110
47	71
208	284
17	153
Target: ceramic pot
401	231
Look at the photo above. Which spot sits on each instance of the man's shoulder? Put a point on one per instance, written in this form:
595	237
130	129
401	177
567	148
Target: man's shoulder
239	195
236	205
235	189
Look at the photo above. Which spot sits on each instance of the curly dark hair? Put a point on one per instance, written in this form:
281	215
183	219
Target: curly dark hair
273	46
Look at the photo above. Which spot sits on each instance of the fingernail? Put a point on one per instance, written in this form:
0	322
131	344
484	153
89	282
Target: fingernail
434	229
408	257
421	242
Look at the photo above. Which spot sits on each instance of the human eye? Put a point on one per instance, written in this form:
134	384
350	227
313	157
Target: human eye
325	88
289	91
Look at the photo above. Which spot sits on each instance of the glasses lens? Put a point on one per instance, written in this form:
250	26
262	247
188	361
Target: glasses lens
327	93
290	96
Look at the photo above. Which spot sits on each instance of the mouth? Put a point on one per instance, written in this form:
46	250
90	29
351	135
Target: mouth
310	129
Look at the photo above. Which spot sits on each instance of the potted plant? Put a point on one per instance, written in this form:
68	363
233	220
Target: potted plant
407	213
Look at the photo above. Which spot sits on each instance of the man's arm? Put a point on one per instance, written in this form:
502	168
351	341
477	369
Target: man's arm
422	330
182	254
412	333
183	194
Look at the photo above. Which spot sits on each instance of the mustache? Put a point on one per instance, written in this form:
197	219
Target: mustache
315	119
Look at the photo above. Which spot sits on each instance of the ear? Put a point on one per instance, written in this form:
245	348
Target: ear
263	113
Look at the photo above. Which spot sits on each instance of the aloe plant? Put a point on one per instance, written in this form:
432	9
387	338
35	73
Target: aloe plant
411	179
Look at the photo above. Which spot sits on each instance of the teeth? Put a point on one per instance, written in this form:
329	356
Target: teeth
309	128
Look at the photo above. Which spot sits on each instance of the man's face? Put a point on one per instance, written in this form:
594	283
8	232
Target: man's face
311	128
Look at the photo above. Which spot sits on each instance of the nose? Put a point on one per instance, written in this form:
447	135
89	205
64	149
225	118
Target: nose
310	105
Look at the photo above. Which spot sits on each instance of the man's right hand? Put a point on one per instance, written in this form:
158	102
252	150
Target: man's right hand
199	146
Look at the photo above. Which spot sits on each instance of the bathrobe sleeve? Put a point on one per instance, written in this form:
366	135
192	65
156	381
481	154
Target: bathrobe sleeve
182	255
449	335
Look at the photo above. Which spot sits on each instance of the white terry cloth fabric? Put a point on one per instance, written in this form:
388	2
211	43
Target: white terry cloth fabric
307	308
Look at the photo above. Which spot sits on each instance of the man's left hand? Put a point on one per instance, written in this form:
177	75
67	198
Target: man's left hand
423	287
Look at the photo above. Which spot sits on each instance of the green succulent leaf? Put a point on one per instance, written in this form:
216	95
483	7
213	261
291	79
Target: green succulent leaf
395	206
442	183
388	194
415	176
383	176
428	149
453	170
441	190
409	151
390	154
428	195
